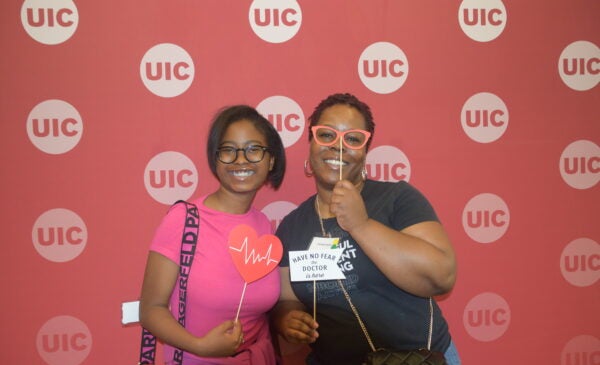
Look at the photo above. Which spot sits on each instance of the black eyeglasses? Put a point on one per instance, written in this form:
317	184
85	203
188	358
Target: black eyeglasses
252	154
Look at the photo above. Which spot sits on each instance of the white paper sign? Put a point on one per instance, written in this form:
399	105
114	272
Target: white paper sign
130	312
315	265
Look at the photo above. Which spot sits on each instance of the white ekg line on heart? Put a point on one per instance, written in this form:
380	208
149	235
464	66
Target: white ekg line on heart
252	255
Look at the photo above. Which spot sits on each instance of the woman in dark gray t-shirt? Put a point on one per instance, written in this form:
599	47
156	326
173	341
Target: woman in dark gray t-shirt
396	254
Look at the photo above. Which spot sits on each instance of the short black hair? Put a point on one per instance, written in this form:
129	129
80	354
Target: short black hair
346	99
231	114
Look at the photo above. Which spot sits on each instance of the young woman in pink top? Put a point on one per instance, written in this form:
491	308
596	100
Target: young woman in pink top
244	153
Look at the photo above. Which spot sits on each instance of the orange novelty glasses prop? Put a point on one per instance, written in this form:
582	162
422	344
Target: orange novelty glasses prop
327	136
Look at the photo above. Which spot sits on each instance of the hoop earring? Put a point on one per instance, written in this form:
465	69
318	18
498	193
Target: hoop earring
307	171
363	173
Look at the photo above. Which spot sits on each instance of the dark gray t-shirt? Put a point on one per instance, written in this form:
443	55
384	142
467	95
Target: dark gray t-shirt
393	317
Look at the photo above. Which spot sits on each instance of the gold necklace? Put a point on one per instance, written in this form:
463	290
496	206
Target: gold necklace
320	218
339	283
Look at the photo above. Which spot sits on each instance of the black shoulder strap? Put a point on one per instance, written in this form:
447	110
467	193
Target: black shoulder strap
189	239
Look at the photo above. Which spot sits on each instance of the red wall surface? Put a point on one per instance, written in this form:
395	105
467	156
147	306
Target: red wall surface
491	108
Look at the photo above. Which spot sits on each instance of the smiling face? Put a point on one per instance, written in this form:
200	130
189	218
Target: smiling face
242	176
325	160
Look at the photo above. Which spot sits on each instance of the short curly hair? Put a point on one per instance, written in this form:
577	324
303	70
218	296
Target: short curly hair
346	99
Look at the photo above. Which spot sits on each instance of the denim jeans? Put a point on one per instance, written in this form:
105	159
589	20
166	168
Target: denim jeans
451	356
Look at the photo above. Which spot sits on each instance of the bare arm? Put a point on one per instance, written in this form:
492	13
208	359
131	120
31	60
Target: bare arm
159	280
419	259
289	316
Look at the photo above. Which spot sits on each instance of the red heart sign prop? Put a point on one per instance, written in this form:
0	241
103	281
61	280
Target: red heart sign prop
254	256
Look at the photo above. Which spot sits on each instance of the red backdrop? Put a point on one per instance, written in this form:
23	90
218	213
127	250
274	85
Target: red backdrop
491	108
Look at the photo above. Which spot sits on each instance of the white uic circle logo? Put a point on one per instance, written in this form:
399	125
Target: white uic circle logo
59	235
167	70
487	317
482	20
49	22
383	67
579	65
286	116
580	262
582	349
54	127
64	340
170	176
486	218
275	21
388	163
580	164
276	211
484	117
